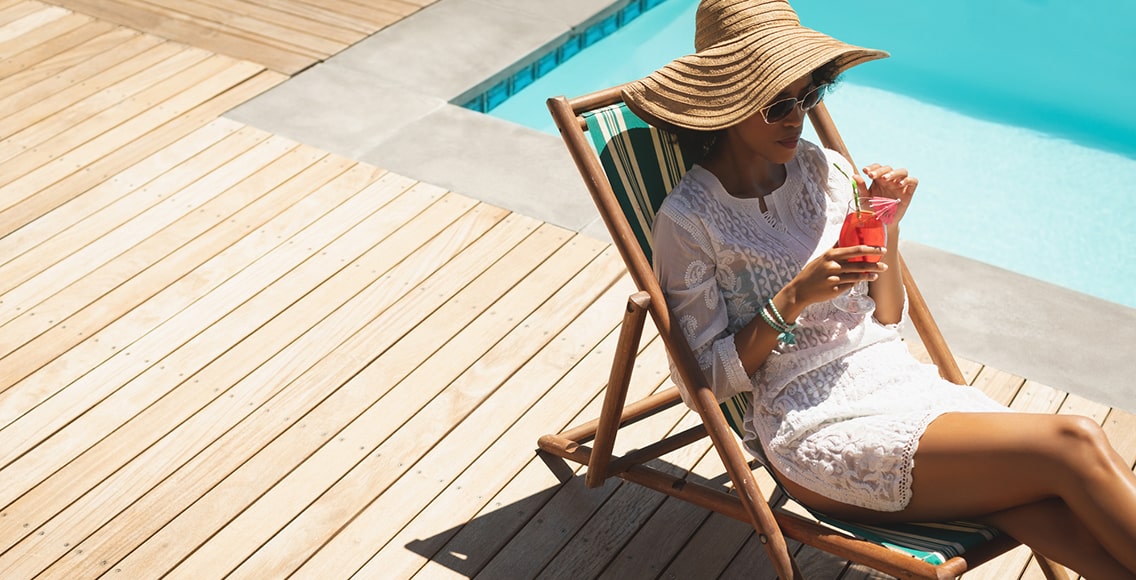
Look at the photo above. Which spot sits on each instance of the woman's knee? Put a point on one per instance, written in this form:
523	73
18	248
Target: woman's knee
1081	443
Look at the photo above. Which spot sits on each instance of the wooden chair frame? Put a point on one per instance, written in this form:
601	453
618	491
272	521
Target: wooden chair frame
747	503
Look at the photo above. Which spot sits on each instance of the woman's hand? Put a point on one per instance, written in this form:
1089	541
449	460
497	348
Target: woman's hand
823	278
831	274
890	183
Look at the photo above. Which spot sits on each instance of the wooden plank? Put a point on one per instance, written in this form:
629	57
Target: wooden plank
471	486
659	547
235	449
404	7
107	279
752	562
49	416
318	22
235	24
718	541
1077	405
99	197
276	281
140	321
538	549
255	242
1120	426
714	546
10	16
140	16
70	128
224	271
468	549
138	193
393	456
182	193
998	385
254	30
40	100
1035	397
459	305
364	21
90	316
599	541
970	369
148	116
71	187
61	307
339	327
813	562
63	131
861	572
473	481
57	54
93	318
41	34
40	16
376	14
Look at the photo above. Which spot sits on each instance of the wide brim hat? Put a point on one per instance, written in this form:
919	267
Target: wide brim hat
747	52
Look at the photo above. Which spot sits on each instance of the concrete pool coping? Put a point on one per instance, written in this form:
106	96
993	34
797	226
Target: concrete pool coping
387	101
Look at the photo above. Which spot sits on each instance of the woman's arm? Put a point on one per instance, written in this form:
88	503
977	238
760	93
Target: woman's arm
686	269
887	289
824	278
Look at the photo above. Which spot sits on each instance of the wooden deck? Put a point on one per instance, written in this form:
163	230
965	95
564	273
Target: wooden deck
286	36
227	354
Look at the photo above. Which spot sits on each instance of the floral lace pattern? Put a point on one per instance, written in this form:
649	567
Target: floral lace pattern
841	411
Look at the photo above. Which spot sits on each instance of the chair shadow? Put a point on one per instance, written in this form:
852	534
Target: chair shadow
499	535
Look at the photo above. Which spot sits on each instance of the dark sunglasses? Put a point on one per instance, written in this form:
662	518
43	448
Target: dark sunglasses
781	109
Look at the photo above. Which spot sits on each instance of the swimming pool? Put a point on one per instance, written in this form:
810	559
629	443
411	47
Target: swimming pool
1015	114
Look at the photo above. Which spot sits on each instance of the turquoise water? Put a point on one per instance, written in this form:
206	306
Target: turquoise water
1016	115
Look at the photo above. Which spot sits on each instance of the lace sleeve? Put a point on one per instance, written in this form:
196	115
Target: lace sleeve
685	266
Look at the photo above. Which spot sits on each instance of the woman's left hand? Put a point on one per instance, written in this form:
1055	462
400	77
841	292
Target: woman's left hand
892	183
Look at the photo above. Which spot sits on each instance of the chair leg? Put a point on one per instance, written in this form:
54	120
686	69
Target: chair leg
630	333
1051	570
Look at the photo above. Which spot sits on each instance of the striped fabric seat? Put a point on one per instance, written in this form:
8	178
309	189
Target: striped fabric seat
643	164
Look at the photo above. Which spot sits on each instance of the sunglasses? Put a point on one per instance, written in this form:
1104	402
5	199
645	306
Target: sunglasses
781	109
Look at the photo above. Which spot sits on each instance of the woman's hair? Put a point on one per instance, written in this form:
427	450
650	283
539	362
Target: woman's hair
699	144
826	73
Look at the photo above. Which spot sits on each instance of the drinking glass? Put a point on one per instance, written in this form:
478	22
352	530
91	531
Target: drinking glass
861	227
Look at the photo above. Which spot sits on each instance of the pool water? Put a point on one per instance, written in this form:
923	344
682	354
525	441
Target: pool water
1016	116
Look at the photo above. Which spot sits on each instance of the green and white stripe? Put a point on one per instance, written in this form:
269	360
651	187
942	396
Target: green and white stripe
642	163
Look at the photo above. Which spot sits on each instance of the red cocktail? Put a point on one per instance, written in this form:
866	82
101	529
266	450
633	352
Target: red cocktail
862	228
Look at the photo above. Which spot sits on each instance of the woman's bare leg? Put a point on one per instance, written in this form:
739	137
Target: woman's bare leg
975	465
1052	530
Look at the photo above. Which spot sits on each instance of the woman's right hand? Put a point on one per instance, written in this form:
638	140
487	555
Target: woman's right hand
831	274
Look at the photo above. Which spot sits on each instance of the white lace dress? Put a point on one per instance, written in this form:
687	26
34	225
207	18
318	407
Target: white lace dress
841	411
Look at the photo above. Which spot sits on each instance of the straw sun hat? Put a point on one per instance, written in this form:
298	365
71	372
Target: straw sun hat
747	51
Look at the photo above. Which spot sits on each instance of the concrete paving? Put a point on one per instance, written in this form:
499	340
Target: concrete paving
387	101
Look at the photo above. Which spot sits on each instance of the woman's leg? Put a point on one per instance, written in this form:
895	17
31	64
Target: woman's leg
1052	530
974	465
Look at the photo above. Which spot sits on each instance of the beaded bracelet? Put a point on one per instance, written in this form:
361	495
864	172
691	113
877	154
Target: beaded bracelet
777	313
785	330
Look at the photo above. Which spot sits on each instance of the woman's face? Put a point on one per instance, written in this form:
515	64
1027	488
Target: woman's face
777	141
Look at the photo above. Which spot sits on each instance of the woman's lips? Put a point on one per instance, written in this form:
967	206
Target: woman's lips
790	143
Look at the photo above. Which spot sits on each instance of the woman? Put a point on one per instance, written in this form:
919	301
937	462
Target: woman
850	423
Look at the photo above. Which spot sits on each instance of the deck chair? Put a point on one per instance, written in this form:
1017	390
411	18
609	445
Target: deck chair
629	167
